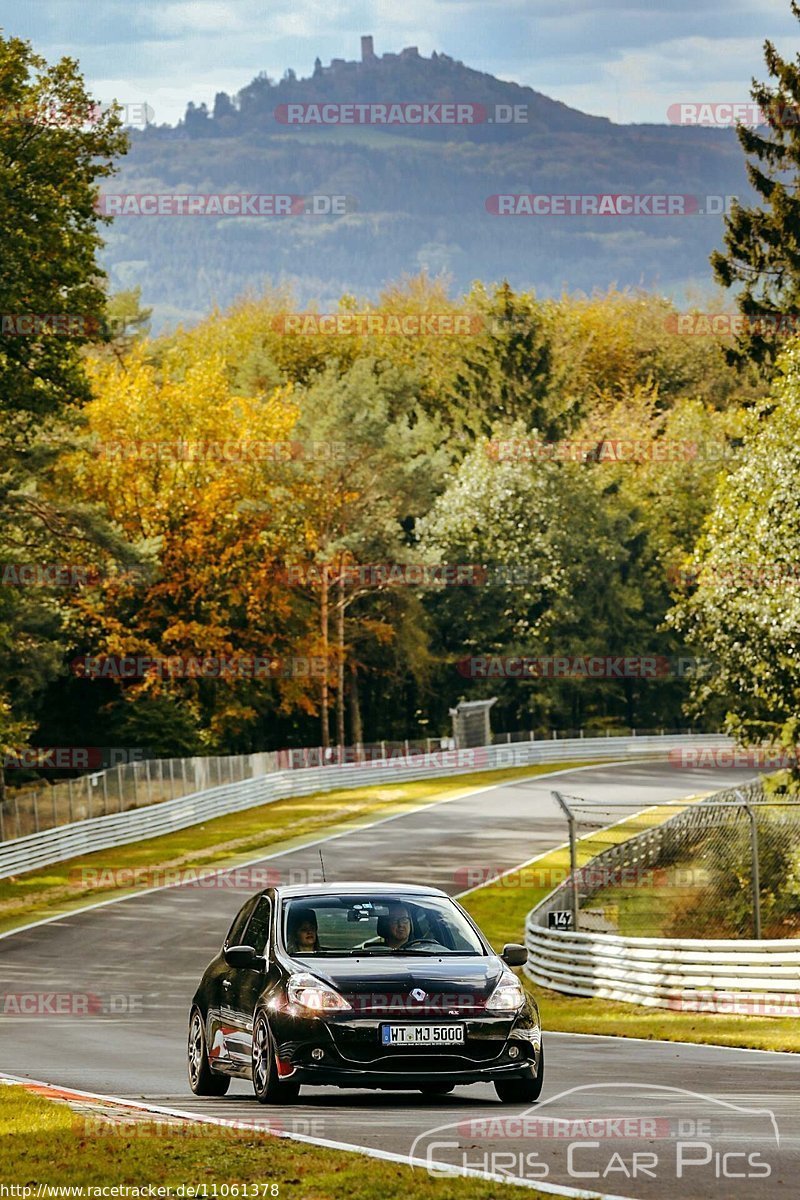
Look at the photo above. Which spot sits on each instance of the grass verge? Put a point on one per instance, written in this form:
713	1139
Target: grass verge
653	911
500	908
576	1014
46	1142
226	841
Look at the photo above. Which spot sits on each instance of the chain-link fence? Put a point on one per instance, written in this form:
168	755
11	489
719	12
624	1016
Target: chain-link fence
37	807
724	867
126	786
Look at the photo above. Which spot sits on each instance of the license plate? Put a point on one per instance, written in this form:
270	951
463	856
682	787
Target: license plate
422	1035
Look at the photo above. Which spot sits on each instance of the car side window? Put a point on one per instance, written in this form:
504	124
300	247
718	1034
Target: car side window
257	934
234	937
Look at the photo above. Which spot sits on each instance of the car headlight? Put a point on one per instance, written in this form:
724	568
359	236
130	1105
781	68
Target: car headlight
312	993
508	996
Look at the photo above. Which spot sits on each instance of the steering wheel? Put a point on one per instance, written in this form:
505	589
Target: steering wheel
421	942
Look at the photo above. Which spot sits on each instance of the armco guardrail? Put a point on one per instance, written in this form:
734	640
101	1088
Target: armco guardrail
118	829
759	978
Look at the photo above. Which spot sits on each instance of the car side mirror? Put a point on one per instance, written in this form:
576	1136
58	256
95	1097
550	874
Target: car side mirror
514	955
242	956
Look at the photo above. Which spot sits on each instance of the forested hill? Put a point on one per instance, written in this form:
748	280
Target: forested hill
400	79
419	192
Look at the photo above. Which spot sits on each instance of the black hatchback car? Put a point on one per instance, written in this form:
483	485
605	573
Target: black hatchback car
362	985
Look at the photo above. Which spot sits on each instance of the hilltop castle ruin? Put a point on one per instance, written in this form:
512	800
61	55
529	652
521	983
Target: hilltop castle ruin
370	59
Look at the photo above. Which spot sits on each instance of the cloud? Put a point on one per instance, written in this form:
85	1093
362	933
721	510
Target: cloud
198	17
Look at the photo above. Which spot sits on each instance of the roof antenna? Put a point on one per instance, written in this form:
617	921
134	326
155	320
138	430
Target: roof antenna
322	864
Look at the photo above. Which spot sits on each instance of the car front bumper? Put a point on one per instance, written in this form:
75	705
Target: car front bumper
347	1052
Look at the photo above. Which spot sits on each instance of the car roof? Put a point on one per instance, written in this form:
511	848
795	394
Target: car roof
334	889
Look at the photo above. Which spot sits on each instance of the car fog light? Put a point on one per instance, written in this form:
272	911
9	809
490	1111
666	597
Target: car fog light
513	1052
317	1054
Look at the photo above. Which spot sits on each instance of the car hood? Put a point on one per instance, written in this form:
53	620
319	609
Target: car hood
388	984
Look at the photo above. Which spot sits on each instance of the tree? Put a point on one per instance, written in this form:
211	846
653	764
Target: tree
196	120
506	372
185	468
763	244
56	144
50	165
550	553
367	465
609	345
125	322
223	106
744	612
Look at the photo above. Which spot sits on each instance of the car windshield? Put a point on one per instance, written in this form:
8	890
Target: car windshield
361	925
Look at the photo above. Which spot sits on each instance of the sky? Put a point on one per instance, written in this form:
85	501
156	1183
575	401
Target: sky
622	59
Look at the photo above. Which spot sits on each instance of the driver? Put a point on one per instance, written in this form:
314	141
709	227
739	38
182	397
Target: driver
394	928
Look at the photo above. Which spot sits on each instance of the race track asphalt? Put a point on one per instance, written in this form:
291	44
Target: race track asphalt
676	1120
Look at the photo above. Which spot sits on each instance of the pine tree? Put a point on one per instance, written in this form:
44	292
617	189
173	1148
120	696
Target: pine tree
763	243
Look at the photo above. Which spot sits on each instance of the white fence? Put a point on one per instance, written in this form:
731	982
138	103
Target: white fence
118	829
741	977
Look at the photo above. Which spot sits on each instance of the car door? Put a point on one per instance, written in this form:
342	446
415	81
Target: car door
219	983
246	985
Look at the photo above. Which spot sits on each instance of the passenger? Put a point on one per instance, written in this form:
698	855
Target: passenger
301	937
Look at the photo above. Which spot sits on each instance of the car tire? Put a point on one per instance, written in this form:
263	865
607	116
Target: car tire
437	1089
202	1080
269	1089
522	1091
